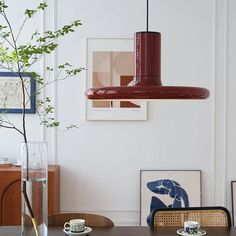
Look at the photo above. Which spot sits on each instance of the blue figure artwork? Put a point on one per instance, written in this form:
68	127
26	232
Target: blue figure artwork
170	187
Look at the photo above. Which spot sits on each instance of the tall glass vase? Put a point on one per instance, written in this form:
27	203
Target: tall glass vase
34	171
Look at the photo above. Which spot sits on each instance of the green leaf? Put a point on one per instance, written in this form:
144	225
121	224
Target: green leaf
72	127
3	6
74	71
48	99
29	12
49	68
42	6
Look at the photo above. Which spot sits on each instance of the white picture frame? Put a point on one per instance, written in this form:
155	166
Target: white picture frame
168	188
118	48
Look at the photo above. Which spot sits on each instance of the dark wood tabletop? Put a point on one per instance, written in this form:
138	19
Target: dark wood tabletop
123	231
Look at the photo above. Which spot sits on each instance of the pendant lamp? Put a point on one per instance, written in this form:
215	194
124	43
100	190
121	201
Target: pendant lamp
147	83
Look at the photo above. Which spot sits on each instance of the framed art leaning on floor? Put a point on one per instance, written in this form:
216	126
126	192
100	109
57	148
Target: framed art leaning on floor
168	189
233	195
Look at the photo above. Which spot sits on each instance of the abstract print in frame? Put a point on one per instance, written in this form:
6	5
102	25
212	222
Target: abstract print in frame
110	62
168	189
11	94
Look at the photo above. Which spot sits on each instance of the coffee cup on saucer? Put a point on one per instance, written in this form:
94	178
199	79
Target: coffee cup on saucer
191	227
75	225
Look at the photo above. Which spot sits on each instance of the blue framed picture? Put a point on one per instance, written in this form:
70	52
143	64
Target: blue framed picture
11	92
168	189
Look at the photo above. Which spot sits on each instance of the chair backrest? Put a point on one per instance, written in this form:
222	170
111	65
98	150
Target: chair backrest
206	216
91	220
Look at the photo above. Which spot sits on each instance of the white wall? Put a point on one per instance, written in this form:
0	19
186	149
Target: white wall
231	91
100	161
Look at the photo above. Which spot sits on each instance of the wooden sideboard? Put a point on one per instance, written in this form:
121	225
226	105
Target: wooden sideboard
10	193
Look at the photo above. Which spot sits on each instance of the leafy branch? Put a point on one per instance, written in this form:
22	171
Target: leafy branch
19	59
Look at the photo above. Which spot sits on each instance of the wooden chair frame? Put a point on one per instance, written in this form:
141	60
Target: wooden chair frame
92	220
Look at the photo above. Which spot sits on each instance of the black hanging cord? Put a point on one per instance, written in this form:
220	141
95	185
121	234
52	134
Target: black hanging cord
147	15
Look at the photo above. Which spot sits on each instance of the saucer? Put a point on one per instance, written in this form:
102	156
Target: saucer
17	164
86	231
199	232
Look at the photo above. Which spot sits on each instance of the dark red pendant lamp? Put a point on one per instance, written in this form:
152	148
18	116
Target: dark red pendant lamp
147	80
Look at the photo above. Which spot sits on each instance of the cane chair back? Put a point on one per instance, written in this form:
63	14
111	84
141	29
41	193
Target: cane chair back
91	220
206	216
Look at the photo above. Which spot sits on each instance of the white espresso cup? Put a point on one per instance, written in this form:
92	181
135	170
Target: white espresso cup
75	225
191	227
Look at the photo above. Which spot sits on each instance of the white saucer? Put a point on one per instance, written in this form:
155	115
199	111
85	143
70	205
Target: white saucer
199	232
86	231
17	165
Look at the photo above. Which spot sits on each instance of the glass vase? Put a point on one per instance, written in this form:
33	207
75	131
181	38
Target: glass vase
34	188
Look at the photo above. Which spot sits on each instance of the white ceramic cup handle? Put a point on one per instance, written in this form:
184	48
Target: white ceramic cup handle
66	227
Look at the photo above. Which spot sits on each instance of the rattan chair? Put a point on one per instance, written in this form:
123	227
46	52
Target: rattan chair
91	220
206	216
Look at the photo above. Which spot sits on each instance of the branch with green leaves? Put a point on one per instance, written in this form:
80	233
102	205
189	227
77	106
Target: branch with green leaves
20	58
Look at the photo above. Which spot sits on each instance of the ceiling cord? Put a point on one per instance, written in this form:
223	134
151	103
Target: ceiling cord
147	15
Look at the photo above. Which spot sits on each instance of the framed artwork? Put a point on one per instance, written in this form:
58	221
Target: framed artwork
11	93
110	62
168	189
233	194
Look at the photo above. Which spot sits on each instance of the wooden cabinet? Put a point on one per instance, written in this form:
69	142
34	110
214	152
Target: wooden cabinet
10	193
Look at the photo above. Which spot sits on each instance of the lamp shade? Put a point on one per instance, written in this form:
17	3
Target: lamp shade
147	83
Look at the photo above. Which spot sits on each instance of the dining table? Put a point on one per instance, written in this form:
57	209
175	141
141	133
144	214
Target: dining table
124	231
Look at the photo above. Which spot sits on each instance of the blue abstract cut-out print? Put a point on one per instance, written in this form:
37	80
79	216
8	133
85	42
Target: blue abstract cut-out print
170	187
